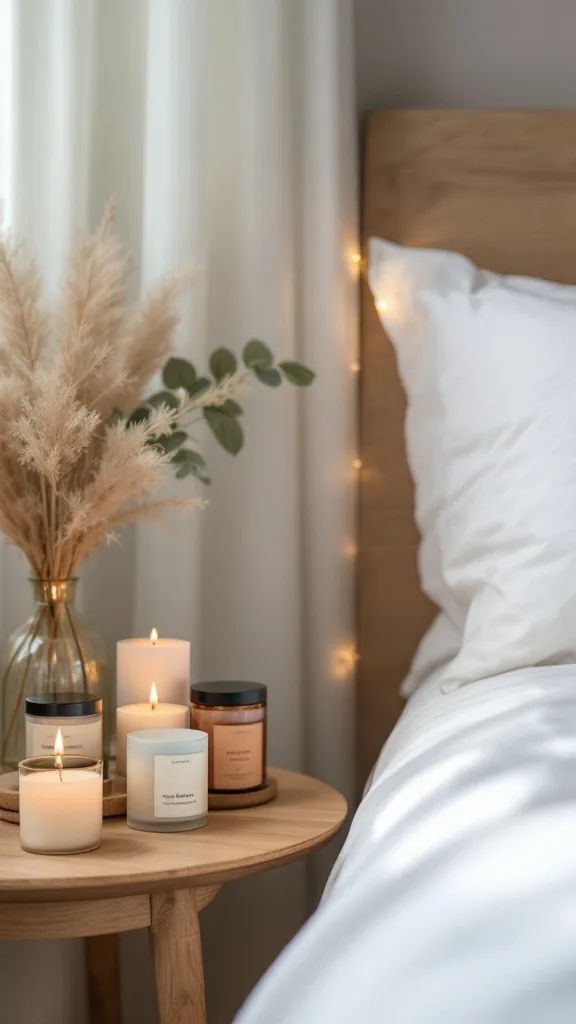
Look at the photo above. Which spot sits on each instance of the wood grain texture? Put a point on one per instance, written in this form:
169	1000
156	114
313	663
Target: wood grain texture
74	919
101	955
177	952
205	894
500	187
306	814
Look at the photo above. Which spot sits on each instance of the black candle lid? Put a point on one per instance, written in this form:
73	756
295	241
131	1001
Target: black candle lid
63	705
228	694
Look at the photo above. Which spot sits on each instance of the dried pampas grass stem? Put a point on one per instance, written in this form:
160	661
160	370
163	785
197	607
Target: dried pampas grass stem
81	449
71	473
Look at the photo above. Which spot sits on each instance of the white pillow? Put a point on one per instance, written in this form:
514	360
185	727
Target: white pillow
439	645
489	367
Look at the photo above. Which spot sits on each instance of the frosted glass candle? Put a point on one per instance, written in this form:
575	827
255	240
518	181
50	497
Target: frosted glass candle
167	782
60	812
136	717
141	661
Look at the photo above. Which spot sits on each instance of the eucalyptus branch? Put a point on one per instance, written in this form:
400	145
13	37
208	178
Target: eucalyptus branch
75	462
215	398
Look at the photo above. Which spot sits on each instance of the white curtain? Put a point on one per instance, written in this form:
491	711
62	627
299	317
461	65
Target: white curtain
225	130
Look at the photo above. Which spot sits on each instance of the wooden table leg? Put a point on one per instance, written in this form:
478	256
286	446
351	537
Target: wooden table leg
177	952
103	979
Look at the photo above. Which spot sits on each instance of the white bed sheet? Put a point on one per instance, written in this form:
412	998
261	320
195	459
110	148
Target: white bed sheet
454	898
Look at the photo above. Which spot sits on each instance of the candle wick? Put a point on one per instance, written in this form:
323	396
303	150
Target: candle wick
59	767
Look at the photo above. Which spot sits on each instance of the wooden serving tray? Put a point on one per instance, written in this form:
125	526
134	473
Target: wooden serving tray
114	799
253	798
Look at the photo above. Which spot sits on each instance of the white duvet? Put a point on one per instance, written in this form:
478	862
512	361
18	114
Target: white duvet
454	899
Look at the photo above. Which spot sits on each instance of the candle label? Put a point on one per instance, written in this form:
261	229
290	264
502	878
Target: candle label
180	785
82	738
238	753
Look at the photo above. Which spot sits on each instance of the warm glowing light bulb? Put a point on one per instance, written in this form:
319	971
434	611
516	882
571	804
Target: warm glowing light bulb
344	661
357	257
357	464
350	549
154	635
355	367
153	696
381	305
58	749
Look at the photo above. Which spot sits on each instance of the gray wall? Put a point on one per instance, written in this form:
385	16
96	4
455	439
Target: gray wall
458	53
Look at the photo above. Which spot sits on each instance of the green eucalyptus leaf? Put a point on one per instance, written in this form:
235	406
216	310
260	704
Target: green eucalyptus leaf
202	384
231	408
297	373
225	428
256	353
170	442
138	416
163	398
190	463
179	373
268	376
222	363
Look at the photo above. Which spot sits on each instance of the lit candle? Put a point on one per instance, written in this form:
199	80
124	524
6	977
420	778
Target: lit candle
133	717
167	787
60	803
144	658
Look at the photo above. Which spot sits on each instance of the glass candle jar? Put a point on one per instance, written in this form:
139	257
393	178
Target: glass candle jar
167	780
234	716
77	715
60	808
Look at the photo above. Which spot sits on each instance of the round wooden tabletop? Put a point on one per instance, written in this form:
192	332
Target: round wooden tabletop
305	815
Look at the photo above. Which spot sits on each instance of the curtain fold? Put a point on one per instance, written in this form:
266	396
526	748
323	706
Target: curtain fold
227	134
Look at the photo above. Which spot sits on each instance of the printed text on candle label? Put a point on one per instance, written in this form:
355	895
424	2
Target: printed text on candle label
238	753
180	785
82	738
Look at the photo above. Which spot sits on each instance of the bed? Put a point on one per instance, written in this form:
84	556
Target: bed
454	898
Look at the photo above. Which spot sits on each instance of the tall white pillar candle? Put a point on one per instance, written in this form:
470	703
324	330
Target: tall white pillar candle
60	810
153	715
141	661
167	781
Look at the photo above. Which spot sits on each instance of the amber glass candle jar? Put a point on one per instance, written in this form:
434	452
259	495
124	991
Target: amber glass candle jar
234	716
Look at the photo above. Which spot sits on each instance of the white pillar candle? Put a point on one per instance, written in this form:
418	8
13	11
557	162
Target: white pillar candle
153	715
60	811
167	783
141	660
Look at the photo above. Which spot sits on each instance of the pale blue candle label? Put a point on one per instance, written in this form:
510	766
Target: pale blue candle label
180	785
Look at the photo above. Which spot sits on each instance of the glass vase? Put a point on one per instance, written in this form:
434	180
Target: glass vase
53	652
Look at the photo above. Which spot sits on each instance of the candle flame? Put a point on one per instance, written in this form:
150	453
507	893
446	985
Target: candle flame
153	696
58	749
154	635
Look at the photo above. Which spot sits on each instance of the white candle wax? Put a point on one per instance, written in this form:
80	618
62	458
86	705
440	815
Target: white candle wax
167	783
61	814
141	660
133	717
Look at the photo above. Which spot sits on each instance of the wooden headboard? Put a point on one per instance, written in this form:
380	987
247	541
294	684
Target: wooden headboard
499	186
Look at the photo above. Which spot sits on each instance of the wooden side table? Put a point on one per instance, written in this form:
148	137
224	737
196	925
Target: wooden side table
160	882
